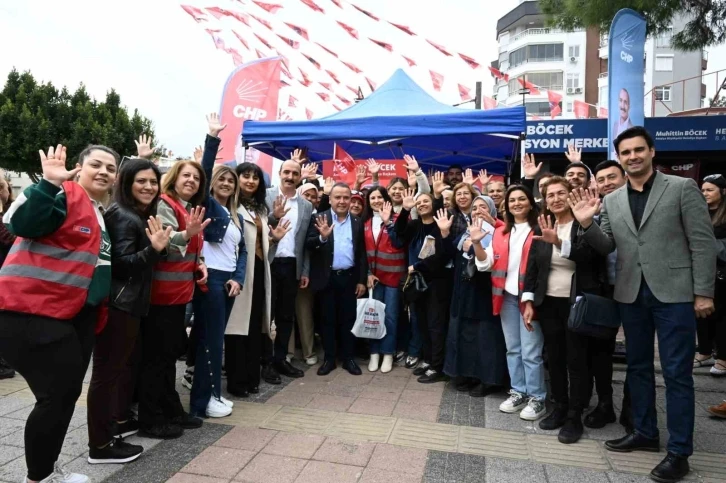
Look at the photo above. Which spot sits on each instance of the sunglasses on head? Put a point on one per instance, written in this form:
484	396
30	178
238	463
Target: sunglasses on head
713	177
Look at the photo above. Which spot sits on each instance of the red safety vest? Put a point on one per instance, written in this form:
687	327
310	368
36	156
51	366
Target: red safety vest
500	249
385	261
173	280
50	275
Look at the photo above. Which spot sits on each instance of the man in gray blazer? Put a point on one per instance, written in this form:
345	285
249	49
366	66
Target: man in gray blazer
666	261
289	264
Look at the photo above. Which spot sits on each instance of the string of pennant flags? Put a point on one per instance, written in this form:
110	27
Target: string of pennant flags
327	72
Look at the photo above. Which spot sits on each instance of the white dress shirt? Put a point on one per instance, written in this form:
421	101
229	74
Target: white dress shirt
286	246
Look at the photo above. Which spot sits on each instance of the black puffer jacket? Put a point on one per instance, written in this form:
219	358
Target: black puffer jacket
132	261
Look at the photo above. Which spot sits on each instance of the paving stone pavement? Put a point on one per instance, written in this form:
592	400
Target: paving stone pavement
370	428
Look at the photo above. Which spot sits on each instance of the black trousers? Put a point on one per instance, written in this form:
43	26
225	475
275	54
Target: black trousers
600	366
115	366
283	272
432	315
567	354
339	306
52	355
711	331
242	352
165	339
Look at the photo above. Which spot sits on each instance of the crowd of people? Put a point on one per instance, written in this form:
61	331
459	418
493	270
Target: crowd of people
478	280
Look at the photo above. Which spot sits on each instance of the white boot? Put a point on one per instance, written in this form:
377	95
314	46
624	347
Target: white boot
373	364
387	363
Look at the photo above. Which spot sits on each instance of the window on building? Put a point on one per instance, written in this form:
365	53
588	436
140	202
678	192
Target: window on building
663	93
603	96
664	63
574	51
569	107
545	80
538	108
536	53
573	80
664	39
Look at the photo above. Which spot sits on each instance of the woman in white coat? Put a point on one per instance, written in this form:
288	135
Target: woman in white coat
250	317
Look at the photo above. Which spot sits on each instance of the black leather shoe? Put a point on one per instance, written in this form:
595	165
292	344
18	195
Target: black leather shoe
626	419
633	442
672	468
350	366
188	421
556	418
571	432
600	416
238	391
465	384
483	390
432	376
287	369
270	375
325	369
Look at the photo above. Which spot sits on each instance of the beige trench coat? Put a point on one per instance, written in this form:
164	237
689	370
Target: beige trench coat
239	319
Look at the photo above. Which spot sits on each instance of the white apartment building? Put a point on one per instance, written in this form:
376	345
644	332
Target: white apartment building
574	64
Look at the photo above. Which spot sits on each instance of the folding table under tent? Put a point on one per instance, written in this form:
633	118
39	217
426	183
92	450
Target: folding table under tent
400	118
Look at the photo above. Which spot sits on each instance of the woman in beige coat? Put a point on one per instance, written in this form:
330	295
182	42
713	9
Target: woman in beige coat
250	317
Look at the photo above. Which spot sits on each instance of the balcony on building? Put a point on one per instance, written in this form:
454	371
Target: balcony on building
704	60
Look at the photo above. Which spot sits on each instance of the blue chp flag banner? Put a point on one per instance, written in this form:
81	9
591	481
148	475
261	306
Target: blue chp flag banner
626	49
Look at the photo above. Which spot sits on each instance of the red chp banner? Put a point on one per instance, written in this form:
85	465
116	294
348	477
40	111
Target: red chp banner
343	168
685	170
250	93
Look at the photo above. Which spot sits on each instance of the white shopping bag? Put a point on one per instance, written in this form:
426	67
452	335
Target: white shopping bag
370	323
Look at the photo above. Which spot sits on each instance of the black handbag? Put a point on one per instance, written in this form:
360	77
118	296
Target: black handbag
414	288
594	316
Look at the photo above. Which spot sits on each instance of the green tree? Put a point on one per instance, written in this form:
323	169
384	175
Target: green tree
36	115
706	18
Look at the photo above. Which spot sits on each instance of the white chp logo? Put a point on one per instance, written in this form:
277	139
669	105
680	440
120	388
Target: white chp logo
249	91
627	43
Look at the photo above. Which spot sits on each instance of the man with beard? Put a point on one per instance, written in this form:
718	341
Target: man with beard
454	175
290	266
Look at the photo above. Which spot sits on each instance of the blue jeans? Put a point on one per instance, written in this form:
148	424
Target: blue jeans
675	325
391	296
211	312
524	350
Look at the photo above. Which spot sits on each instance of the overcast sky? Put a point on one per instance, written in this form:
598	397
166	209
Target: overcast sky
163	63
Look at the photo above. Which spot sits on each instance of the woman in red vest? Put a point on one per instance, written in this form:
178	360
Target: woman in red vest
160	411
386	266
507	258
52	285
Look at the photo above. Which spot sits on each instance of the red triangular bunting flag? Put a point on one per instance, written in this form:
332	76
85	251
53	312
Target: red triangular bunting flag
313	5
292	43
242	17
325	84
336	2
264	42
496	73
270	7
343	99
313	61
402	28
352	67
533	89
299	30
366	13
308	113
263	22
236	57
306	80
472	63
324	96
218	41
437	79
489	103
465	93
554	100
411	62
215	11
337	107
353	32
284	83
353	90
379	43
197	14
581	109
292	102
333	76
440	48
260	55
243	41
327	50
371	84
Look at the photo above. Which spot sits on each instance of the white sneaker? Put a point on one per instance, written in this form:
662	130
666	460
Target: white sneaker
188	378
312	360
226	402
515	402
61	475
373	364
387	363
217	409
535	409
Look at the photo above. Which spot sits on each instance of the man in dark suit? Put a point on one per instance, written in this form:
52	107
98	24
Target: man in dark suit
666	273
338	266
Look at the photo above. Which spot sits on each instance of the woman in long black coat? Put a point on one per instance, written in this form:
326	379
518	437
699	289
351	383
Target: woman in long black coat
475	348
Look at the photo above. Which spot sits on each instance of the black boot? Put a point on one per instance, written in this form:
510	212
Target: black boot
571	432
602	414
556	419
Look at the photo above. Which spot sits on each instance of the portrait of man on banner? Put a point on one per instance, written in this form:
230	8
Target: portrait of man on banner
623	122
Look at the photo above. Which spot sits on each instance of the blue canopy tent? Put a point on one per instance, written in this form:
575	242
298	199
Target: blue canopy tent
400	118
